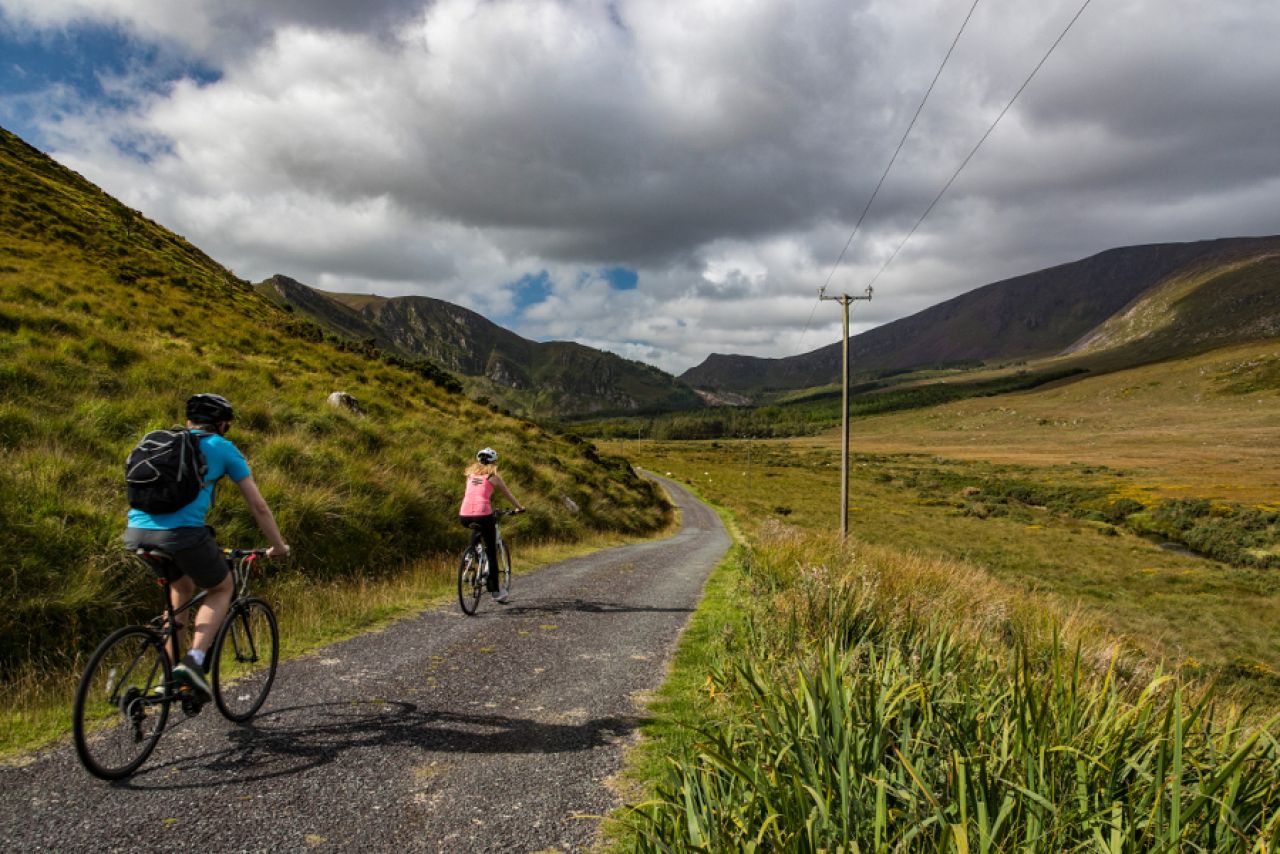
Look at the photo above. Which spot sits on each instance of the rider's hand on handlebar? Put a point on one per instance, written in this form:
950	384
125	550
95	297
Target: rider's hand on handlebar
272	552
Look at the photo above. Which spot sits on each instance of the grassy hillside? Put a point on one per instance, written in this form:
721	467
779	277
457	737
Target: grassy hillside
1191	313
108	322
1204	426
1035	315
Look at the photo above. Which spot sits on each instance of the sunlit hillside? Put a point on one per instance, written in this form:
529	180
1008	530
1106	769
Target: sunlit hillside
1207	426
108	322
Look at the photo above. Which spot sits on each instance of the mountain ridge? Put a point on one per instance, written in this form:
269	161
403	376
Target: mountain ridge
552	379
1043	313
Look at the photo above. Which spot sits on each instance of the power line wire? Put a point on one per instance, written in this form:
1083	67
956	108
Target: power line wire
969	157
885	173
898	150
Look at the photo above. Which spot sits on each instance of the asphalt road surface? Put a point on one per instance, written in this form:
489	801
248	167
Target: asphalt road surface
497	732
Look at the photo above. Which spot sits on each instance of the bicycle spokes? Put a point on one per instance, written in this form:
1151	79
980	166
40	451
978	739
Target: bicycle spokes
118	716
244	659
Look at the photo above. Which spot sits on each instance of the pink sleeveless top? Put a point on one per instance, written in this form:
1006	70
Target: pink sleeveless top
476	501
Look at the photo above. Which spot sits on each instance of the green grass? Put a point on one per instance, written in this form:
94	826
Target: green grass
858	698
1125	582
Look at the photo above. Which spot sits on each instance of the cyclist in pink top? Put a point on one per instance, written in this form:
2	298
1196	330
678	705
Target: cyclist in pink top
477	507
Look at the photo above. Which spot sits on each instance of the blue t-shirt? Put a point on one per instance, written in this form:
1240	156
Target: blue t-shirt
223	458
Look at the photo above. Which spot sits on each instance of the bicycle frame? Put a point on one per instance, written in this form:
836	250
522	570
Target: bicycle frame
477	563
239	564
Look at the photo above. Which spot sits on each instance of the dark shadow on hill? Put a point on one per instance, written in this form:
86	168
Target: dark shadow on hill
294	740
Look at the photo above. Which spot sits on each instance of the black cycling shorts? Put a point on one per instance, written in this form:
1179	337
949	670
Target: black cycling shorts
194	551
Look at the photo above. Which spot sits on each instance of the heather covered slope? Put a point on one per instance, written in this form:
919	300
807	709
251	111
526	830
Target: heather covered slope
108	321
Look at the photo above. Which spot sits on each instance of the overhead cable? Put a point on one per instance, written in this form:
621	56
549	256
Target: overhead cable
885	173
969	157
898	150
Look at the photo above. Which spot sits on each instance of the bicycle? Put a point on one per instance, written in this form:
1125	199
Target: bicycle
473	571
123	699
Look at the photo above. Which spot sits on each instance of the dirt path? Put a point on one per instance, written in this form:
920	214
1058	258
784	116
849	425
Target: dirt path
442	733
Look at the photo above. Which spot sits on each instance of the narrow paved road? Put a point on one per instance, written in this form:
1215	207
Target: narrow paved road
497	732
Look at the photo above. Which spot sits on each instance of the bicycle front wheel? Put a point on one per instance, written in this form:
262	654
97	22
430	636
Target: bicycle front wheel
470	582
122	703
245	653
504	567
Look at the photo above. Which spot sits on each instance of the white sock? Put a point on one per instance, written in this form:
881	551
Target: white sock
198	655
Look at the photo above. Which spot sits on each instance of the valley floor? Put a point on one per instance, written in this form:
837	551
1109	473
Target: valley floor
947	481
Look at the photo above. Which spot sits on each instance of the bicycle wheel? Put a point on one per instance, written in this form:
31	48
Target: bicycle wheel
122	703
470	581
244	658
504	567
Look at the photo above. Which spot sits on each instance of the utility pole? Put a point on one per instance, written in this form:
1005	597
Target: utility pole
844	300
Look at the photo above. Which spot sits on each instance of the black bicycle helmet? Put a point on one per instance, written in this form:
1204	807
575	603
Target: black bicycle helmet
487	456
208	409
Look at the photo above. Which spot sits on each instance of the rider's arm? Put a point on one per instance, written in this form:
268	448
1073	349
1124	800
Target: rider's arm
501	484
262	514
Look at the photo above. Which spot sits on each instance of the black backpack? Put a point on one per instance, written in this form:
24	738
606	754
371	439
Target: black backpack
165	471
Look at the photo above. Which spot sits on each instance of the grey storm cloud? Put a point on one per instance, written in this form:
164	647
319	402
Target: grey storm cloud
450	148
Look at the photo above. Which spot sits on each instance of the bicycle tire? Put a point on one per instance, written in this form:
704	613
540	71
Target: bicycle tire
245	654
504	567
470	583
116	719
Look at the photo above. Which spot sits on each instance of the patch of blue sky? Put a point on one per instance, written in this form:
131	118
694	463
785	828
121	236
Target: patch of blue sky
40	69
529	289
621	278
618	278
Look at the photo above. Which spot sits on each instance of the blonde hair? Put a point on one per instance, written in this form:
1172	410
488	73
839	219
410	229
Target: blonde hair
478	469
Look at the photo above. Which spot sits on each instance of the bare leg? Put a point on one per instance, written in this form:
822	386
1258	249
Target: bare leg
212	611
180	591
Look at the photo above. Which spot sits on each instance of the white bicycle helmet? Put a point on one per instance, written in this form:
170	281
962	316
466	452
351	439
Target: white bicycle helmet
487	456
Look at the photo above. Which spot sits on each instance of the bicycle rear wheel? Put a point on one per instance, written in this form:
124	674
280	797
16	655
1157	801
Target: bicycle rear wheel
122	703
504	567
244	658
470	582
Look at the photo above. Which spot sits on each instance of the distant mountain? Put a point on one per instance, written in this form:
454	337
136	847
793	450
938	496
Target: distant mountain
560	379
1178	297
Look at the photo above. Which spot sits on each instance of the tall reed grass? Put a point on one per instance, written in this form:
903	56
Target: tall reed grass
887	703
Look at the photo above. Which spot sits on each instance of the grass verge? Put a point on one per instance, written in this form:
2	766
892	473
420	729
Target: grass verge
867	699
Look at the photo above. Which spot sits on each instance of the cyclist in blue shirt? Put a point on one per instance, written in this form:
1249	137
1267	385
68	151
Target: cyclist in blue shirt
184	535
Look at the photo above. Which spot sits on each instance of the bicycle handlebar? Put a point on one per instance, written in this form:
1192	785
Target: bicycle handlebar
247	557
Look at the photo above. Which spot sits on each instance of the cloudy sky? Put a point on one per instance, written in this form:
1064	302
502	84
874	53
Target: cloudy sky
660	178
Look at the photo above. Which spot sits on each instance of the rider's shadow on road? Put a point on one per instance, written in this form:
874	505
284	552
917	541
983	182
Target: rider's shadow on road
296	739
587	606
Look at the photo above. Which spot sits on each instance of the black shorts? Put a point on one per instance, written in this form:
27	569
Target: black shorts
194	551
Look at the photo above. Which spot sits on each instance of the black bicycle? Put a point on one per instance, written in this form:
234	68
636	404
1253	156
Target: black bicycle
473	571
123	700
